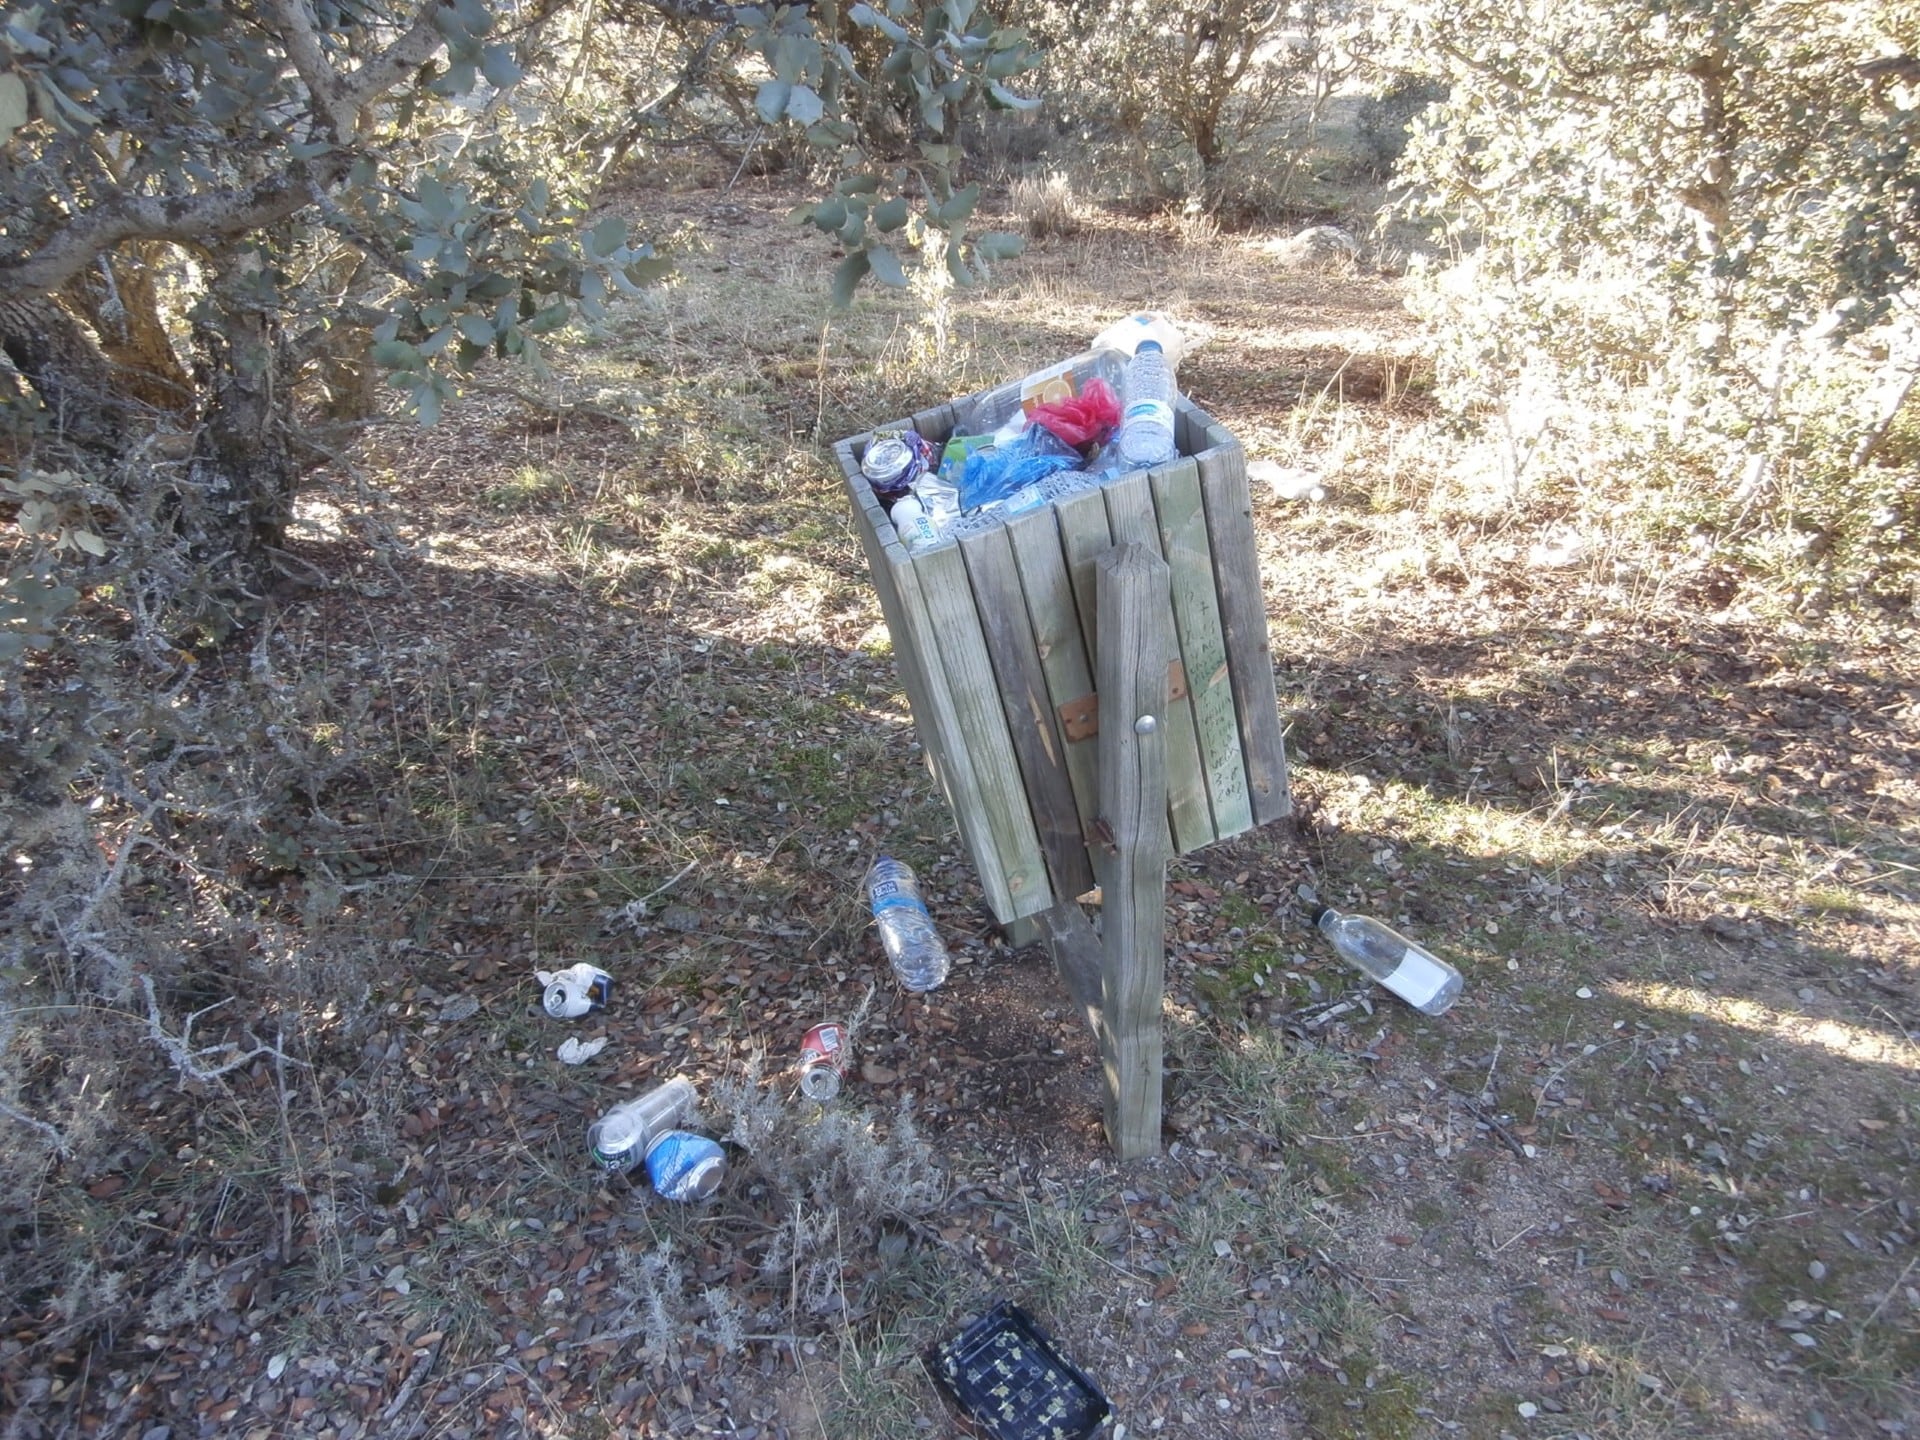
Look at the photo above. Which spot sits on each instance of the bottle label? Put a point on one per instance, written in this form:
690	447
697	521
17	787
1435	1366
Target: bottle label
1148	410
886	897
1416	979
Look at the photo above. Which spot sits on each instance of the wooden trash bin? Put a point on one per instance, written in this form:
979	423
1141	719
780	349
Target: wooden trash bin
995	640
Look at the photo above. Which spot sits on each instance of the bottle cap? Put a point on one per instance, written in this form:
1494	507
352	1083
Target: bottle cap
1153	345
1316	910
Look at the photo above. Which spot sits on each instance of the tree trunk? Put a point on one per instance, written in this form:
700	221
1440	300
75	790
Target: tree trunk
238	500
119	295
66	369
232	506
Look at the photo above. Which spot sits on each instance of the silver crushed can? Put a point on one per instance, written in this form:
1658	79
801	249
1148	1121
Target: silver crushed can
574	991
890	465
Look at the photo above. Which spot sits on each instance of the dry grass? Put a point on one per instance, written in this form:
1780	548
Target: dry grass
615	688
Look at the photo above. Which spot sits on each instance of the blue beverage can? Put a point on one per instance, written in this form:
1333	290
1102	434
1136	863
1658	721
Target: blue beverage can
685	1166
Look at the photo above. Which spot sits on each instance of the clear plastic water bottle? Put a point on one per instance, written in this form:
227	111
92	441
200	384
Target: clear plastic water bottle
907	934
1409	970
619	1139
1146	416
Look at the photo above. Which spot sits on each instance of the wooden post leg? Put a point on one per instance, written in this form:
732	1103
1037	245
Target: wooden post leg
1131	861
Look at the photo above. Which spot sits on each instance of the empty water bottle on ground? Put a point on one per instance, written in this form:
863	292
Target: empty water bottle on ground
619	1139
1408	969
1146	418
914	947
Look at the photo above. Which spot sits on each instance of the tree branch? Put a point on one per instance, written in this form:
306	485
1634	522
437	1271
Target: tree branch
183	219
323	82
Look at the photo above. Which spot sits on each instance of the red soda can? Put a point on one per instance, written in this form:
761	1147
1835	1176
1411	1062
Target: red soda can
823	1060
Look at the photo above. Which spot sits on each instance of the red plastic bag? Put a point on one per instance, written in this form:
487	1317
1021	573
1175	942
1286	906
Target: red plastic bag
1088	419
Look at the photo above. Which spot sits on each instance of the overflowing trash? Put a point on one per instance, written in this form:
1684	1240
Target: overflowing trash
575	991
1071	426
1007	1376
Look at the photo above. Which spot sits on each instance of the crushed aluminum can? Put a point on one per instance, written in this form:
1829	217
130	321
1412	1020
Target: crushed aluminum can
894	460
575	991
823	1061
684	1166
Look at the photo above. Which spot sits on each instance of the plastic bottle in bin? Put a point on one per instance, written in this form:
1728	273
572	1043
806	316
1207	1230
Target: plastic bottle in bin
1409	970
619	1139
1146	417
907	933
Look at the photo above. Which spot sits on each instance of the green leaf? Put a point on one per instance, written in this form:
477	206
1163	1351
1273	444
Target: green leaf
886	266
499	66
607	237
90	542
770	101
14	110
848	276
309	149
999	245
871	19
1004	99
475	16
474	328
426	404
551	318
1003	63
829	215
396	355
891	215
957	208
648	271
435	200
858	185
804	106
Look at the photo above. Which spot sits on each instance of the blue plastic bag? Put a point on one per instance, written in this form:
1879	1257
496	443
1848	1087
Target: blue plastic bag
995	474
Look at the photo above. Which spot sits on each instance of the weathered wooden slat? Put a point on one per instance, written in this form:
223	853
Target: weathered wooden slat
1207	432
1132	671
1001	820
1079	959
1052	612
1203	649
935	423
888	564
1130	513
1084	537
1243	622
1038	743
